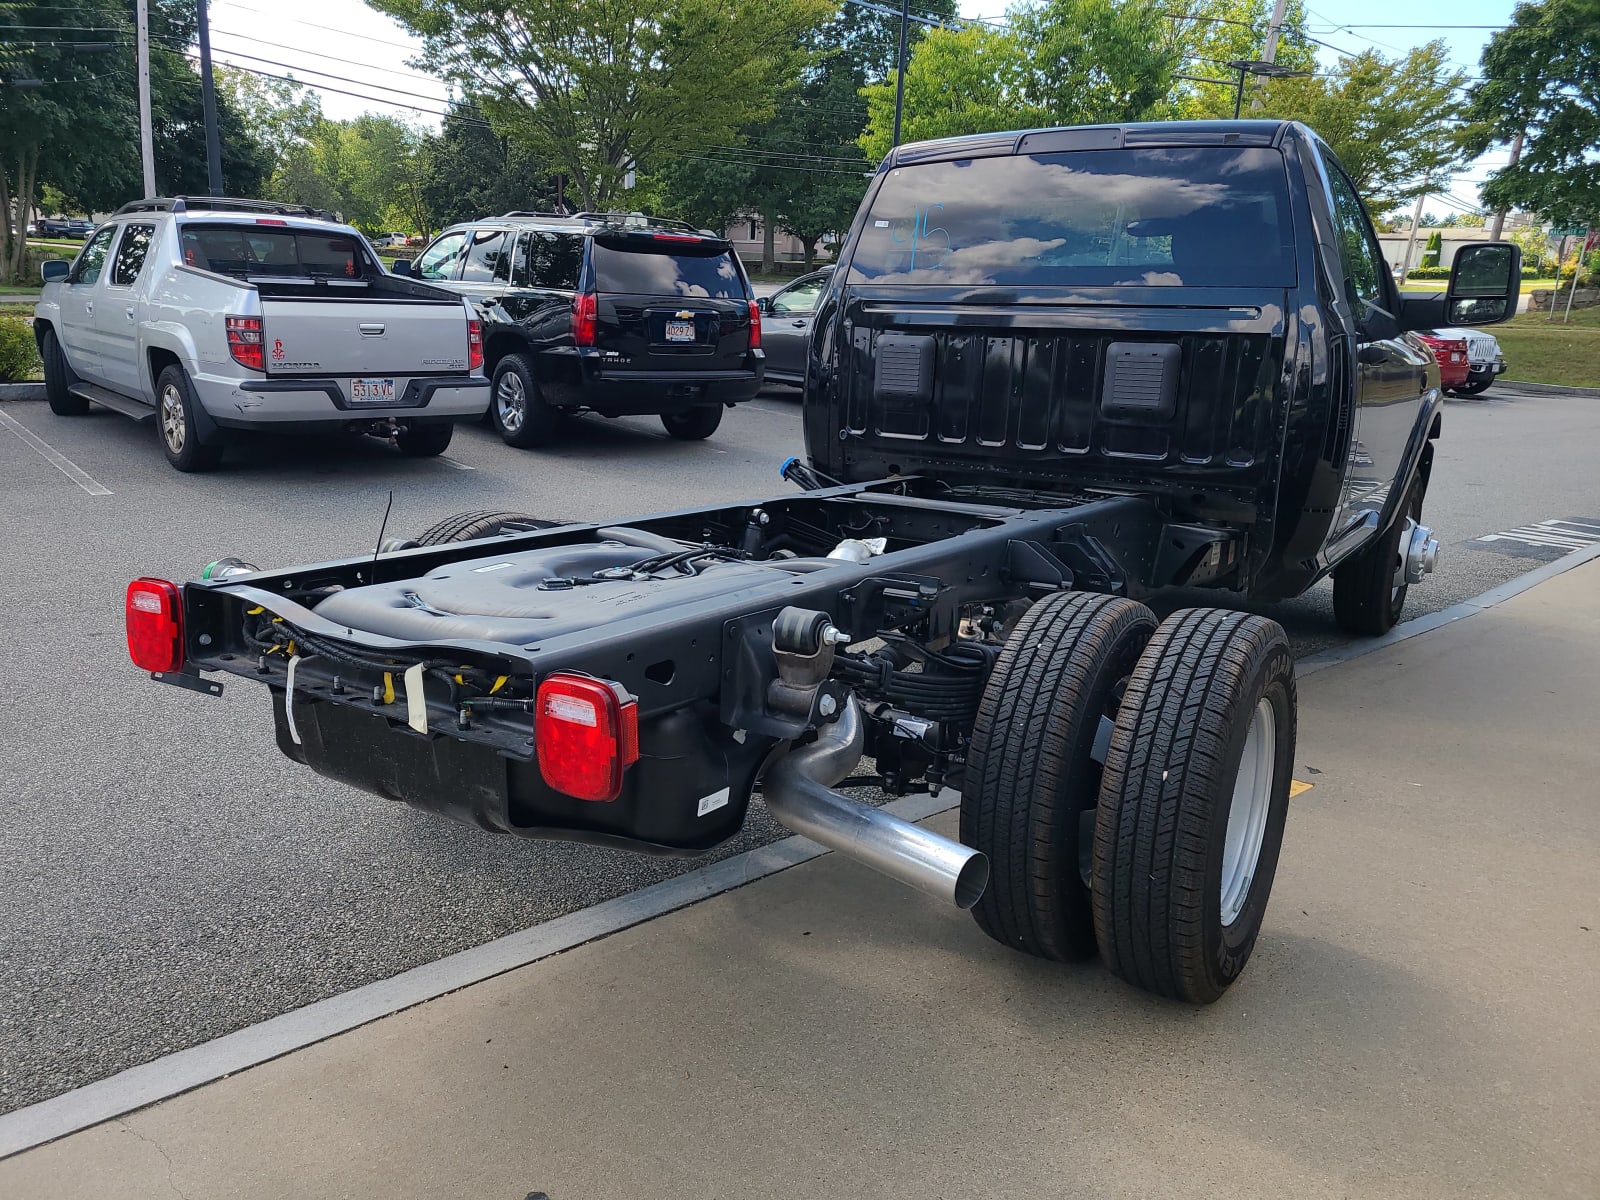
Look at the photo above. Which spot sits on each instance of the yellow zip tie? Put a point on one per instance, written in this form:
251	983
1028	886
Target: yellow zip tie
388	688
250	612
498	684
459	679
277	620
291	647
274	650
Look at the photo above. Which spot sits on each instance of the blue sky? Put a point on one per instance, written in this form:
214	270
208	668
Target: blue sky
361	51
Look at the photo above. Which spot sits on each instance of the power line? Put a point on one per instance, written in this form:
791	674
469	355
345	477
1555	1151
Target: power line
245	37
365	37
328	75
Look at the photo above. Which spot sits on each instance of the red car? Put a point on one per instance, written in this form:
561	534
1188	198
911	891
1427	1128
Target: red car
1451	354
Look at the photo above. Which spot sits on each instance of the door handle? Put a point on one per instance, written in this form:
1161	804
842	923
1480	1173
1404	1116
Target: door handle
88	307
799	324
129	311
371	330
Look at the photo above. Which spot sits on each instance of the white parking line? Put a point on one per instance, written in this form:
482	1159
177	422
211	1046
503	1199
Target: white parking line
1553	534
460	466
56	459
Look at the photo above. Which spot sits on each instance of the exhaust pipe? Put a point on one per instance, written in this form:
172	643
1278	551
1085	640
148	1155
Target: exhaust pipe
797	788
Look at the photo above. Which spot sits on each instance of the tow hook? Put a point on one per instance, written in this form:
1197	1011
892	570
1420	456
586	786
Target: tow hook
1422	551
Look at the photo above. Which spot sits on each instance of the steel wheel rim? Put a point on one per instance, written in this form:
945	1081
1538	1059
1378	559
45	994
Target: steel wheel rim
173	428
511	401
1249	809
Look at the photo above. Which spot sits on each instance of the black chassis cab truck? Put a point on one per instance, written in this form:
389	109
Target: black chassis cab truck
1054	372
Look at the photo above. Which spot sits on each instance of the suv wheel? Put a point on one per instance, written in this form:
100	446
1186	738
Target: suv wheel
693	424
180	440
517	409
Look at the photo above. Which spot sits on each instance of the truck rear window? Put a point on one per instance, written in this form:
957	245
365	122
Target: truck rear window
647	272
1187	217
244	250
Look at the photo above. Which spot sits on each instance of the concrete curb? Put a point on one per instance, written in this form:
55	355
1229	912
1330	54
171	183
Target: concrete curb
1551	389
21	391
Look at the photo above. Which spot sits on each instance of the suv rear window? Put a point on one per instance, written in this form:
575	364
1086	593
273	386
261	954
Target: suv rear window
1190	217
263	250
645	271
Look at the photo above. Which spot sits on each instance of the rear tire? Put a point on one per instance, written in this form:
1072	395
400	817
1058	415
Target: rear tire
517	409
58	377
693	424
426	441
1031	786
1193	802
479	523
1369	590
1473	387
175	424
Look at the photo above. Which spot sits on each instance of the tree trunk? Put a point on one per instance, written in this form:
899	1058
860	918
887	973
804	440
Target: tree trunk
769	257
27	175
6	250
811	252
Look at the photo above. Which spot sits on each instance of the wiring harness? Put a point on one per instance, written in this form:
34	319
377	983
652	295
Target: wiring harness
938	685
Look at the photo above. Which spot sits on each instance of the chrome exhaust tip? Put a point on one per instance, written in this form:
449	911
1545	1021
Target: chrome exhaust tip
1422	551
798	790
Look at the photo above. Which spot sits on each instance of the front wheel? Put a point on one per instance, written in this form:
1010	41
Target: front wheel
58	377
180	437
693	424
1193	802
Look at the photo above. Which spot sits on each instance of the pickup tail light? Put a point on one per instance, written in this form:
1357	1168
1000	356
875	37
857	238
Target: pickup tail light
586	734
154	615
755	326
474	346
244	342
585	311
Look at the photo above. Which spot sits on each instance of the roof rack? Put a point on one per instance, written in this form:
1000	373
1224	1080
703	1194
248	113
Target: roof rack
179	204
524	212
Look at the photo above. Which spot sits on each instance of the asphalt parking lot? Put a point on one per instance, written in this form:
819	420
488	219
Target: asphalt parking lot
166	877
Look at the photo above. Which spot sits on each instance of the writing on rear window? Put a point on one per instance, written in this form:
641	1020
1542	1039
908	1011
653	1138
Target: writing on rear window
1180	217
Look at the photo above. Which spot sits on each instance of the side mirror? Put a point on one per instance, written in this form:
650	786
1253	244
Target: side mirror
764	304
1485	281
402	266
53	270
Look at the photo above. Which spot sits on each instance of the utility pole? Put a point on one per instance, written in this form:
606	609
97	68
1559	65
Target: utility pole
208	97
1416	218
900	69
1269	49
1500	217
147	149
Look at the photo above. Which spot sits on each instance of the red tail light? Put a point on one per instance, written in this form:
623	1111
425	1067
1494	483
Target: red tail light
675	237
586	734
154	615
474	345
584	312
755	326
271	221
244	342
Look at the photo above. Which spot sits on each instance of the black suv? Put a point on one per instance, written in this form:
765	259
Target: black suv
617	314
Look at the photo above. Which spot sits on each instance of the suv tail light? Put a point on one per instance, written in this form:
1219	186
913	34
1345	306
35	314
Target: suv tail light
154	616
474	346
586	734
585	310
755	326
244	342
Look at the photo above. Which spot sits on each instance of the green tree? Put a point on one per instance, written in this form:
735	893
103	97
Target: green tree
1392	122
1430	253
472	171
279	113
593	88
372	170
1541	78
1063	62
1211	33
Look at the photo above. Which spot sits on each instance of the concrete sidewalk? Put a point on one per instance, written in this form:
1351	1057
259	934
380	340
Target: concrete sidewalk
1421	1017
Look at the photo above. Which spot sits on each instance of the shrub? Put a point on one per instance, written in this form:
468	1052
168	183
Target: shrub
19	356
1428	273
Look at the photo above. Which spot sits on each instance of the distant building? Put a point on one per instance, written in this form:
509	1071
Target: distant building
747	232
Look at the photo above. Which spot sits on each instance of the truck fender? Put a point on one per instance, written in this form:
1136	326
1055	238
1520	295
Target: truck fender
165	343
1418	462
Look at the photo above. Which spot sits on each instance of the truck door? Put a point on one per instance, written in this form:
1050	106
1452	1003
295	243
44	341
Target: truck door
116	317
1390	371
79	295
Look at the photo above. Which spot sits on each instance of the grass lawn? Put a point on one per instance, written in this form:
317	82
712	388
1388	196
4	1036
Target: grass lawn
1438	285
1539	350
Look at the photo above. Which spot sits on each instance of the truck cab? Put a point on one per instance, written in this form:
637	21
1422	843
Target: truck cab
1194	310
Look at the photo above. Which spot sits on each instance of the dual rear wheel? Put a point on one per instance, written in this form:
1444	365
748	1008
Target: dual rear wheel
1129	782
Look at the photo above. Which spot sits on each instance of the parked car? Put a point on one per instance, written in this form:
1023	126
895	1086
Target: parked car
786	331
1485	360
619	316
384	240
1451	353
1055	372
219	316
65	227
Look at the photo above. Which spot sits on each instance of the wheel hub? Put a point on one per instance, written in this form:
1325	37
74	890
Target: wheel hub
172	426
1247	812
511	402
1421	551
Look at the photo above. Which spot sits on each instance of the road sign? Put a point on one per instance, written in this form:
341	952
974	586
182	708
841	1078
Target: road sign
1574	231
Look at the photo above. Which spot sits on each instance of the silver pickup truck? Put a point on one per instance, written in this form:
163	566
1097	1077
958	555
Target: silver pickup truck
215	315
